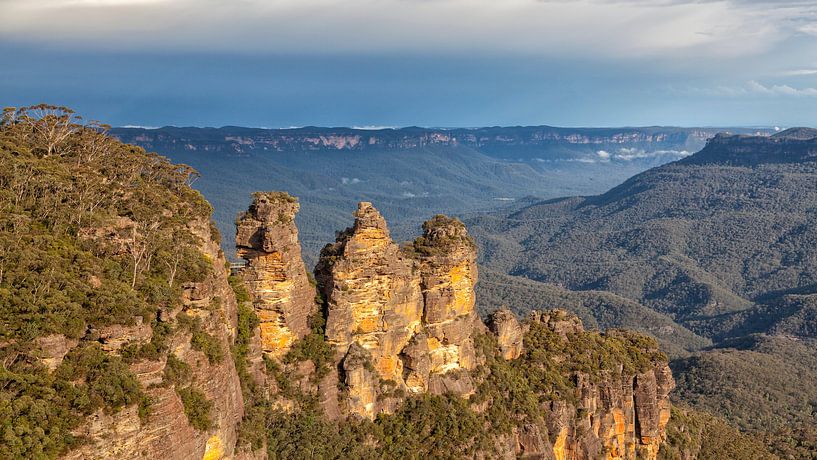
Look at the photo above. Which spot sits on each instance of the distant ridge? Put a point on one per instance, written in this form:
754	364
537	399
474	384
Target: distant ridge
799	133
793	145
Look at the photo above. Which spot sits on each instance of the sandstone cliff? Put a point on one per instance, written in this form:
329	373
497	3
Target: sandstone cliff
410	311
615	414
166	432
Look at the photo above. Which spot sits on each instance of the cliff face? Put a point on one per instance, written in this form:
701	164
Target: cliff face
239	140
166	432
401	322
275	274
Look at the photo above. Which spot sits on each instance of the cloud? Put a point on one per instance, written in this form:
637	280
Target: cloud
630	154
603	155
549	28
352	181
373	127
780	90
798	72
752	88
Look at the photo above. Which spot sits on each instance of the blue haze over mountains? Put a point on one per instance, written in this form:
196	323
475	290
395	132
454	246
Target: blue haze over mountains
410	173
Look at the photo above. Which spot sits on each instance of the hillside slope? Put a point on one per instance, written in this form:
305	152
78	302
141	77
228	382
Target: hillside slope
721	243
116	315
700	239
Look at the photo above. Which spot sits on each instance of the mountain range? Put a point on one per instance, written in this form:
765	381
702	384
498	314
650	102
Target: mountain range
410	172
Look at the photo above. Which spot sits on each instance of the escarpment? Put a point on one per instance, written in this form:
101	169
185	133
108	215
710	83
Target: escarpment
117	315
399	325
192	360
124	336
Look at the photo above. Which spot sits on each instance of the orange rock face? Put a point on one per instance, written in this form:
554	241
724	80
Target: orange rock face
411	310
275	275
402	321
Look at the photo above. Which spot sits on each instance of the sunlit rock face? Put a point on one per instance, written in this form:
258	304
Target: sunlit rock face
402	321
372	292
612	416
411	309
275	275
448	270
509	333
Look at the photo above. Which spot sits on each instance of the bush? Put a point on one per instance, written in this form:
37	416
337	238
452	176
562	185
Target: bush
197	408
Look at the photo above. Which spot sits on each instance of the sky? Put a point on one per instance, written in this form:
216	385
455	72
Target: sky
444	63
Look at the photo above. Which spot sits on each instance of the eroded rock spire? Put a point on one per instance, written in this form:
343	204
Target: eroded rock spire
283	298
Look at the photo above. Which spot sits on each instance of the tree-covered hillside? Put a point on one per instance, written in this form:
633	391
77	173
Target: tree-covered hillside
701	239
721	243
94	235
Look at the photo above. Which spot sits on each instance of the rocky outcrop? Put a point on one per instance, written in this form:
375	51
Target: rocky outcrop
509	333
411	309
372	292
448	273
53	348
402	321
117	336
612	415
275	274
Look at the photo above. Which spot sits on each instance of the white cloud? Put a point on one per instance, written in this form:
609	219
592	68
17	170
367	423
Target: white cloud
751	88
630	154
631	28
603	155
373	127
784	90
799	72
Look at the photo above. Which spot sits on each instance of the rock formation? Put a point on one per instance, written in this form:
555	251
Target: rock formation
411	309
267	238
448	273
611	415
401	321
508	331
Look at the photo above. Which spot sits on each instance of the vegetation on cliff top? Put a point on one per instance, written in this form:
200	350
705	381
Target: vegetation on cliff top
93	233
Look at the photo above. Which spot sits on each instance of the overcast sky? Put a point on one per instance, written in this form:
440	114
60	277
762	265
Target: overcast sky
279	63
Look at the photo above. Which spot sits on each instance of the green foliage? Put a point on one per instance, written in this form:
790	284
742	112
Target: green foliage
240	290
695	434
93	232
177	372
313	347
197	408
770	382
200	339
596	309
207	344
40	408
